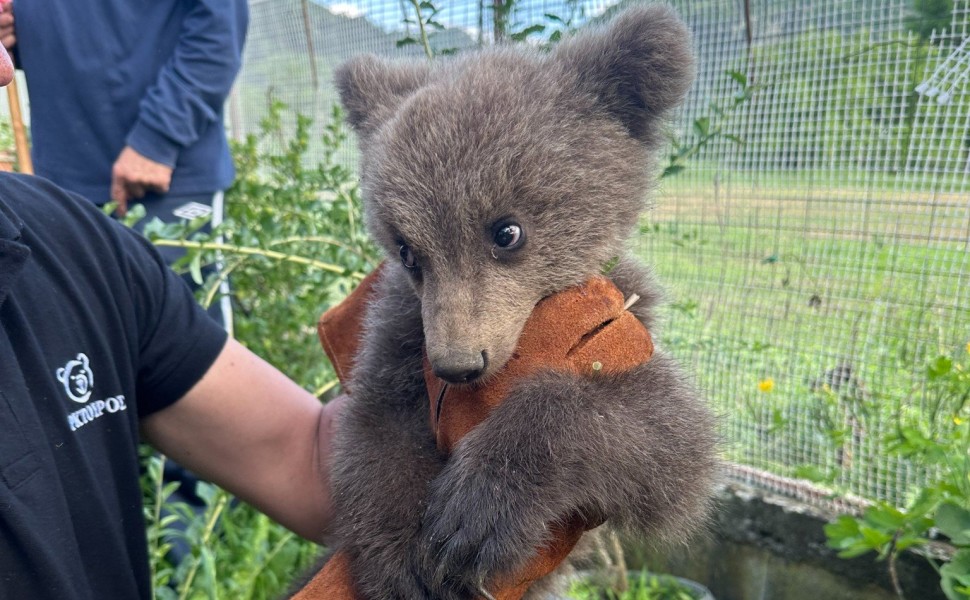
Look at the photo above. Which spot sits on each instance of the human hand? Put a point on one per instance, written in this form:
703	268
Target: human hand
8	35
134	175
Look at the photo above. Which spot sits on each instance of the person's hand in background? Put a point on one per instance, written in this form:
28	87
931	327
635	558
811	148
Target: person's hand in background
134	175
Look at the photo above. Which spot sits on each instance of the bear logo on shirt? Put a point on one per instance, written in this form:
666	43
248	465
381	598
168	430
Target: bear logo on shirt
77	378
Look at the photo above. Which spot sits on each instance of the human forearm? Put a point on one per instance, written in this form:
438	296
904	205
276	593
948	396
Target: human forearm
248	428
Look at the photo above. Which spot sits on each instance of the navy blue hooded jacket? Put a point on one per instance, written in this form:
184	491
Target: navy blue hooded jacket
151	74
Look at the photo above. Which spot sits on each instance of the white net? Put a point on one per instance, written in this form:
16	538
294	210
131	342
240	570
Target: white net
817	244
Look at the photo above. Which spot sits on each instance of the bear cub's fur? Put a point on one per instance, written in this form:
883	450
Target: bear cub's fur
493	180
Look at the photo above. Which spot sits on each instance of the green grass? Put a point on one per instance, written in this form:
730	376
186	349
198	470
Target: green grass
702	173
645	586
787	291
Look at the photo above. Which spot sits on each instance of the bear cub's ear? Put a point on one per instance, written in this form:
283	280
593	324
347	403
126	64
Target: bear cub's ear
639	66
370	88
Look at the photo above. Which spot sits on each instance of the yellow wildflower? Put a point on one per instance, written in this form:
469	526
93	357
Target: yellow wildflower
766	385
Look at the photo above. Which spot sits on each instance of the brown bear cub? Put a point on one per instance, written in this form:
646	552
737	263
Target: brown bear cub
494	180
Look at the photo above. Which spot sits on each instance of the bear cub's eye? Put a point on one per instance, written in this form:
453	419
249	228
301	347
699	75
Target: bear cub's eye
407	258
509	236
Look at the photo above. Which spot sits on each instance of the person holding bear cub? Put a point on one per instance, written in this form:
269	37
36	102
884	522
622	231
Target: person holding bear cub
426	502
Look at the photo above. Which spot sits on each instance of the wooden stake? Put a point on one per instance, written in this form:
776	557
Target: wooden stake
24	163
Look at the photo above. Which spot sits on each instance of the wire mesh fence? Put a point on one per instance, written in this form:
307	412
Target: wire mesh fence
822	265
817	245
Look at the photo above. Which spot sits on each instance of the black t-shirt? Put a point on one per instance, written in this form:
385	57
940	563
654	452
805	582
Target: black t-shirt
95	332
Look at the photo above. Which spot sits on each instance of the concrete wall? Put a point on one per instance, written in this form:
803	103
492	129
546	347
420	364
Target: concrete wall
763	547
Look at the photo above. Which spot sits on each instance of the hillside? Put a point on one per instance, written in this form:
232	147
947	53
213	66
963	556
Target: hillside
278	60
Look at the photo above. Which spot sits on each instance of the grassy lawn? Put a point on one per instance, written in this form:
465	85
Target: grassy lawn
835	296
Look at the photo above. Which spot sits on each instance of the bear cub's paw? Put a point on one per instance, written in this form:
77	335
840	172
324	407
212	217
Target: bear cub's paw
475	531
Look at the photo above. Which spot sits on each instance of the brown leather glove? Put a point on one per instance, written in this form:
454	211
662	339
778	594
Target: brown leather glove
583	330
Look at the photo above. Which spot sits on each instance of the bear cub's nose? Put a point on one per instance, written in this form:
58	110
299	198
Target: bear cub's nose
460	367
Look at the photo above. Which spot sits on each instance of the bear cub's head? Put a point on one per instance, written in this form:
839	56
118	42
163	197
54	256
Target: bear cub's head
497	178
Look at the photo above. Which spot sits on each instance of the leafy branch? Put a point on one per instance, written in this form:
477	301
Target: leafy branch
250	251
706	129
425	14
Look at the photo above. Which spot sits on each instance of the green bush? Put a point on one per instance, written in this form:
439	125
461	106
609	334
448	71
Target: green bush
939	438
292	243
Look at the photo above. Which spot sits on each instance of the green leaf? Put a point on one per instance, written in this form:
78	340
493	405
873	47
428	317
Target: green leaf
778	420
609	265
556	36
925	503
734	138
136	212
169	488
908	541
911	442
844	528
522	35
406	41
207	491
195	268
672	170
739	77
884	516
208	572
954	522
165	593
875	538
812	473
939	367
702	126
955	576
